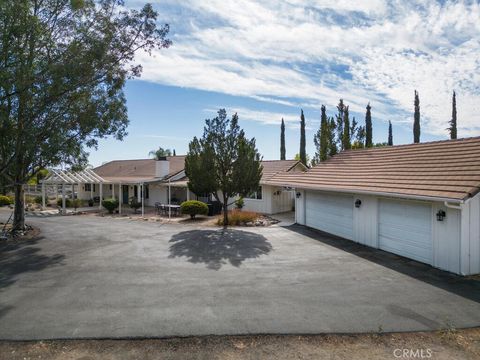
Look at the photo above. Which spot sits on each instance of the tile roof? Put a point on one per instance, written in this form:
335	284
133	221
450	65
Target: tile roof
136	170
144	169
274	167
442	169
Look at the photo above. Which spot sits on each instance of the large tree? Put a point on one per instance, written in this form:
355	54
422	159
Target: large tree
332	143
453	122
223	162
303	141
357	135
282	141
368	127
63	66
339	123
346	139
390	134
416	119
160	153
321	138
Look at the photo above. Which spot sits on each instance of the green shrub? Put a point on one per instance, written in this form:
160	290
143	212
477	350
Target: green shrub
110	205
194	208
239	203
76	203
237	217
38	200
135	204
29	199
5	200
68	203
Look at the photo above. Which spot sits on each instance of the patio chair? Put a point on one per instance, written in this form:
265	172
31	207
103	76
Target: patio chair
157	208
163	209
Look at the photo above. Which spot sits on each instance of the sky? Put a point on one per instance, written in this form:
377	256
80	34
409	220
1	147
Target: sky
268	59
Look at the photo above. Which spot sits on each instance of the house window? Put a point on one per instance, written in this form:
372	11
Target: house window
147	191
110	186
88	187
94	188
257	195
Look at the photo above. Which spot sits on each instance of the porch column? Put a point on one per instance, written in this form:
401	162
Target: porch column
101	196
143	202
188	194
113	191
64	201
139	193
169	200
91	191
43	195
120	198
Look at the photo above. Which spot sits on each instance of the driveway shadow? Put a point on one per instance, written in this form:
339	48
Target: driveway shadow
467	287
218	247
21	256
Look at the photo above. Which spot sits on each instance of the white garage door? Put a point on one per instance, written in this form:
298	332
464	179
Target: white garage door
330	213
405	228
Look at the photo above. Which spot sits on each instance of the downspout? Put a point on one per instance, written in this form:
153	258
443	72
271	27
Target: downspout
458	207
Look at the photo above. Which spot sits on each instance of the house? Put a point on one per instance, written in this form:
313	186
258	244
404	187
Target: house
273	199
420	201
124	179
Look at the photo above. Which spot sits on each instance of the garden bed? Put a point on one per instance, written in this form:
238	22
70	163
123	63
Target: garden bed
246	218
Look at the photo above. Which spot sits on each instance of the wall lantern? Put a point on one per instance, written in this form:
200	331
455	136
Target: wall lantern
358	203
441	215
299	194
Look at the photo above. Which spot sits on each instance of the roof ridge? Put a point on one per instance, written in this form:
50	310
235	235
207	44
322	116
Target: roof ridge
434	142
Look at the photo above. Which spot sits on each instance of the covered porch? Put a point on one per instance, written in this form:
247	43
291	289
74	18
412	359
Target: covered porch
87	185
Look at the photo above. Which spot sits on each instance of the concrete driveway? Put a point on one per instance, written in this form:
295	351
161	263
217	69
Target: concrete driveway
91	277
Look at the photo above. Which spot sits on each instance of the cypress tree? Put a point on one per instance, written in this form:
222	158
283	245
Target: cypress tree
174	153
339	126
321	139
331	143
453	121
416	119
282	141
346	143
368	127
303	151
324	135
390	133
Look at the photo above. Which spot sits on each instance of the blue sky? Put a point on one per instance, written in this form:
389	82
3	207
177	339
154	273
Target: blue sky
267	60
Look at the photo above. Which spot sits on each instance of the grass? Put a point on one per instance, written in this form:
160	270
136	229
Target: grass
239	217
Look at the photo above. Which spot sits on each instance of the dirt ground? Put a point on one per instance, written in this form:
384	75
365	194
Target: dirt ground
448	344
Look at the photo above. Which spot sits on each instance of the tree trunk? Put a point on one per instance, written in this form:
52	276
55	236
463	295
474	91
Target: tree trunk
225	211
19	211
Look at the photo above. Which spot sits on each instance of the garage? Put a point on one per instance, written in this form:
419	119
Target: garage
419	201
405	228
330	213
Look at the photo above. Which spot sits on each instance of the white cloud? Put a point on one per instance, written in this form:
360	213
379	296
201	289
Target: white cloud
262	117
297	53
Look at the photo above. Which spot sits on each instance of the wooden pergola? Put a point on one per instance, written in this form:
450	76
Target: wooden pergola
65	177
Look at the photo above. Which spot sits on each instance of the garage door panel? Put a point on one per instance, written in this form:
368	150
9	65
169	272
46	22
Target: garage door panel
411	234
405	228
330	213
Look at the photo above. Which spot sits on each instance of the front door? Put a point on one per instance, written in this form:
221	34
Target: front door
125	194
